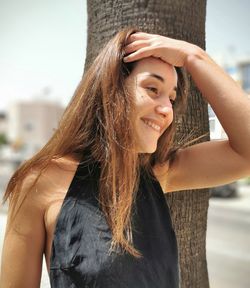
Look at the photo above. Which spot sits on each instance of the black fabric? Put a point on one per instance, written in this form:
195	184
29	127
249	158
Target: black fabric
79	255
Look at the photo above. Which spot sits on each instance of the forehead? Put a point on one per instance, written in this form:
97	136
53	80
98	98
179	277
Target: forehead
152	65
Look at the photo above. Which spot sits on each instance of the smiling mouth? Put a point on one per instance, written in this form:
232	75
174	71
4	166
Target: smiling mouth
152	125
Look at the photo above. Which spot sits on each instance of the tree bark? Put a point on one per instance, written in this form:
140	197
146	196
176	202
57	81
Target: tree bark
181	20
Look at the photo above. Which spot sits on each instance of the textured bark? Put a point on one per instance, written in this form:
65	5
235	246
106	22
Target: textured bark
181	20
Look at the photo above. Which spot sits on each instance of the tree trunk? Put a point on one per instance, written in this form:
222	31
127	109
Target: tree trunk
181	20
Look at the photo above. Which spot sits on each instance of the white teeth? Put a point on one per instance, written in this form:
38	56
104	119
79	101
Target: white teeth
152	125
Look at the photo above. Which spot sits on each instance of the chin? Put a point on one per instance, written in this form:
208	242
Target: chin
147	149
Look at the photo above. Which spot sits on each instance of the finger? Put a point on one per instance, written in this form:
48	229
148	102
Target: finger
136	45
137	36
139	54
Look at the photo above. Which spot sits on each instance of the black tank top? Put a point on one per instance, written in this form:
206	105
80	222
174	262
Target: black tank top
81	241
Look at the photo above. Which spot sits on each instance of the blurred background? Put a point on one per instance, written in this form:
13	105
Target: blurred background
42	56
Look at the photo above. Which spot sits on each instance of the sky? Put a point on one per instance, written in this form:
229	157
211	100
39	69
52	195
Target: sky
43	45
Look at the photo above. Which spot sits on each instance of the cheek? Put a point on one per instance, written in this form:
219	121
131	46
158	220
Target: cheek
142	101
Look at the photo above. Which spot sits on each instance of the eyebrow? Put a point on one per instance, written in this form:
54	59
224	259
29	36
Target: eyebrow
158	77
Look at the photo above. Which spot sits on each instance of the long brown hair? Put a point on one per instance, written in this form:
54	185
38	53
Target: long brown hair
98	124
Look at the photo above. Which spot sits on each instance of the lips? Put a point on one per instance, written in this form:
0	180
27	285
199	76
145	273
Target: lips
154	122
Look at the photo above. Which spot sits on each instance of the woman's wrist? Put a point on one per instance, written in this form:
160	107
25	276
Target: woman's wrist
195	54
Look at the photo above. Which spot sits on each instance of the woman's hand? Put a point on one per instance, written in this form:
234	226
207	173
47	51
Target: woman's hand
175	52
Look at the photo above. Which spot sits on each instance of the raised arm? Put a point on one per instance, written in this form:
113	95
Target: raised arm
24	243
229	102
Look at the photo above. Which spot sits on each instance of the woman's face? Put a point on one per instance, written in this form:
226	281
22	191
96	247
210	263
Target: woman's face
153	83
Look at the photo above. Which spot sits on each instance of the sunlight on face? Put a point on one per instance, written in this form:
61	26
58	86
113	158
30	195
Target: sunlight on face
154	84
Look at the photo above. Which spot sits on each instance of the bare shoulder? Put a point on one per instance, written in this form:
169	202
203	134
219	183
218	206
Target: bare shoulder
39	188
53	185
56	178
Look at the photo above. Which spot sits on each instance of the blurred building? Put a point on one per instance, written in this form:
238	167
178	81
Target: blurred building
3	123
31	124
216	130
244	71
240	72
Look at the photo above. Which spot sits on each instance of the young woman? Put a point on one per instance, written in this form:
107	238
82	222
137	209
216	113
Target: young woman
92	200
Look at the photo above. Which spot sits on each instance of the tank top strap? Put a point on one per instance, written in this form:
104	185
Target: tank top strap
85	184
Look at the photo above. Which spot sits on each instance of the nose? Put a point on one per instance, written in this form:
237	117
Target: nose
164	109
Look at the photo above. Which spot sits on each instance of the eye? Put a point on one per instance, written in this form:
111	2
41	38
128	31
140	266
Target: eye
172	101
173	98
152	89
